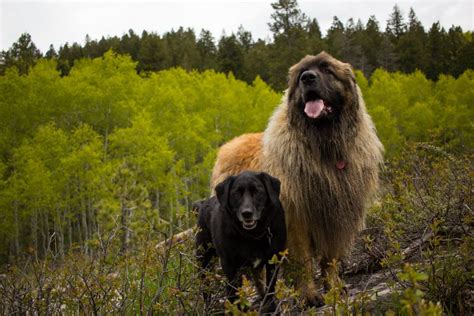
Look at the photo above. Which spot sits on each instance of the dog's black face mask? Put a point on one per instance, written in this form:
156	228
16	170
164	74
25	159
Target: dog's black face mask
246	197
321	89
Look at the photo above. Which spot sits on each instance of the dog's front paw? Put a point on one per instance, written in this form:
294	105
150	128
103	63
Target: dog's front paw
312	298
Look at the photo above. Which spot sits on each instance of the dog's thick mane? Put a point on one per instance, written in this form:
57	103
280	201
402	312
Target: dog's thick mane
304	158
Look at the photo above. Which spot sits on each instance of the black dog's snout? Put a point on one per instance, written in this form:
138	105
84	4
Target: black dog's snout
247	213
308	77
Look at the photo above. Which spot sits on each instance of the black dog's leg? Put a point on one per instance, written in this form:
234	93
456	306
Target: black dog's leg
258	280
205	253
234	279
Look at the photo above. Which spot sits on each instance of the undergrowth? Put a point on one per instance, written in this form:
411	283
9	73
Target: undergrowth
418	237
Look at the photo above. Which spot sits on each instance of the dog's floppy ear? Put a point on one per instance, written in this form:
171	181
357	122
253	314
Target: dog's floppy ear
223	189
197	206
272	185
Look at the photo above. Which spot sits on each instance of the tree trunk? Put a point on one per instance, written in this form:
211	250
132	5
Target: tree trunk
186	203
85	228
17	230
80	236
125	212
47	232
69	229
59	233
41	228
34	233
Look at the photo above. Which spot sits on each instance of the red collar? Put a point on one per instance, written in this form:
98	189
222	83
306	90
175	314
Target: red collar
341	164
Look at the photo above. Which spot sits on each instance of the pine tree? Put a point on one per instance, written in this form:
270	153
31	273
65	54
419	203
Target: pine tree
245	38
314	37
181	47
130	44
287	16
396	26
23	54
412	45
335	38
371	42
290	38
437	52
351	48
230	56
51	53
456	43
153	54
207	50
386	55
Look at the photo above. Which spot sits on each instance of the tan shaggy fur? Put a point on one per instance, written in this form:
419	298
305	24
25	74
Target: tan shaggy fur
324	205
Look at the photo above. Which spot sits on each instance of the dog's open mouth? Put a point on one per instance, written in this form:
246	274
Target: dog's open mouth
315	106
249	224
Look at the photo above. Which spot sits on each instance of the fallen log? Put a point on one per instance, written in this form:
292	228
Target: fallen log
176	239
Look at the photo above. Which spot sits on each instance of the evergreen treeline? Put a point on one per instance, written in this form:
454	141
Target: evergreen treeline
405	45
106	155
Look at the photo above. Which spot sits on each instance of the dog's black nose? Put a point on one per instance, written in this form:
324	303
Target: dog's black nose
308	77
247	213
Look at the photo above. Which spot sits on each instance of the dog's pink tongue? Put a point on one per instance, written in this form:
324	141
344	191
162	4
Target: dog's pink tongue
314	108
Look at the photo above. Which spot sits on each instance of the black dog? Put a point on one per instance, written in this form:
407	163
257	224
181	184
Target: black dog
244	225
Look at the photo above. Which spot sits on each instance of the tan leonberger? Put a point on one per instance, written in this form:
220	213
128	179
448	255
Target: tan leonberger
322	145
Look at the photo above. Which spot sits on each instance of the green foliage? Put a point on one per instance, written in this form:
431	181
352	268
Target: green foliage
422	231
106	161
410	108
105	145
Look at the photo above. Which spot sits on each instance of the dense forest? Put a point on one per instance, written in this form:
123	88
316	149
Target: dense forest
103	149
105	143
405	45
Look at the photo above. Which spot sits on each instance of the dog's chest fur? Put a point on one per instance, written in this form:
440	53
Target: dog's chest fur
314	189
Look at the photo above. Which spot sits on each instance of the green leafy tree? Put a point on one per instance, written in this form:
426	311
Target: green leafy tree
142	165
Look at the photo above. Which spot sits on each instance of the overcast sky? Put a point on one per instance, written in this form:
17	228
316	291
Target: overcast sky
58	22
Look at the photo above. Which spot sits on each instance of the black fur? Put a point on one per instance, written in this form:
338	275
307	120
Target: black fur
225	229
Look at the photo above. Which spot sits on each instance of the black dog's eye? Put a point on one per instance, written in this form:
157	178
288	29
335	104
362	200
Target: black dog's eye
252	189
237	193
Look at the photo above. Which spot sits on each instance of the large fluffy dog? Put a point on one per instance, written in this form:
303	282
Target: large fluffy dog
322	145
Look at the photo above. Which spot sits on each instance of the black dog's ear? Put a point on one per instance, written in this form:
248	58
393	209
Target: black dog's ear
223	189
197	206
272	185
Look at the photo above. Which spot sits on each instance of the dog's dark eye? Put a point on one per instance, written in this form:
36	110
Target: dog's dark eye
236	194
252	189
300	73
326	70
